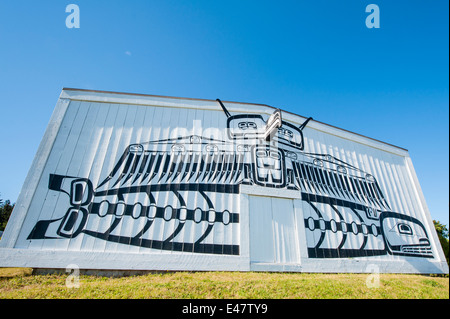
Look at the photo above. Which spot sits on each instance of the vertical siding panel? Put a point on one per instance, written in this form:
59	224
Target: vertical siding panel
218	237
92	153
336	240
162	199
189	228
398	186
170	225
224	200
302	243
330	241
373	163
359	215
397	204
221	199
44	210
368	169
286	247
408	209
63	167
333	239
97	117
198	227
125	141
316	235
389	189
424	214
100	169
354	240
116	147
194	200
128	223
416	209
277	228
403	208
322	208
359	163
155	133
186	123
180	129
77	163
413	207
216	198
391	197
147	128
261	231
235	229
356	159
374	240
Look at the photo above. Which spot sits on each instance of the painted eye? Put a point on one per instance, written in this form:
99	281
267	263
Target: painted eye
318	162
242	125
405	229
285	132
247	125
136	148
291	155
242	148
211	148
261	154
195	139
275	155
341	169
178	148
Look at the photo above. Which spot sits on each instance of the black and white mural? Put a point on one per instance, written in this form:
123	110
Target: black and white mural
185	185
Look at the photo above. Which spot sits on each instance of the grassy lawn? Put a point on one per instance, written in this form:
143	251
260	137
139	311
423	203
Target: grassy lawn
20	283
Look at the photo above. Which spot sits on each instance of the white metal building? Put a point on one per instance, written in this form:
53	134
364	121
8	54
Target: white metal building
141	182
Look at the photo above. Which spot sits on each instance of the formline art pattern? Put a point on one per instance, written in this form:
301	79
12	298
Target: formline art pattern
150	181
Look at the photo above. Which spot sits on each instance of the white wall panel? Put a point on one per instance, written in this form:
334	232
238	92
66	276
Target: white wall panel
175	180
261	230
273	231
284	231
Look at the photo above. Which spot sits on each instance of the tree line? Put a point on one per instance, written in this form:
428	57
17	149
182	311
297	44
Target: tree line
5	212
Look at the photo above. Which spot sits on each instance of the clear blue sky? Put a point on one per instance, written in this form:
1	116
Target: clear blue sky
313	58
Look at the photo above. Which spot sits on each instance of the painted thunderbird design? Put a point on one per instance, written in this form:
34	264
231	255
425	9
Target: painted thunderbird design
347	214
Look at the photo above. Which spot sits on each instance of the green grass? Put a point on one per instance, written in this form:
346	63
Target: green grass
19	283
